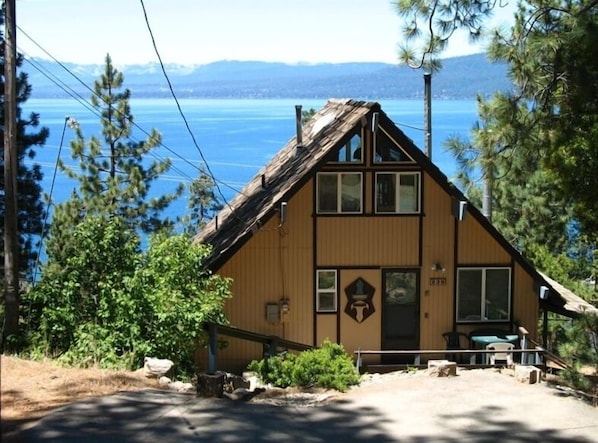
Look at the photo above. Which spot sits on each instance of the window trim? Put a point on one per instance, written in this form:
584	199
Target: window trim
333	291
398	174
483	318
387	162
339	193
361	160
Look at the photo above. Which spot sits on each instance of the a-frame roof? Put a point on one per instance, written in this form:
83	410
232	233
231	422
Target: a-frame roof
296	163
284	175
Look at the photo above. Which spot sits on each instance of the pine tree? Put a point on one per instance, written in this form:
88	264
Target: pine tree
114	174
202	204
30	215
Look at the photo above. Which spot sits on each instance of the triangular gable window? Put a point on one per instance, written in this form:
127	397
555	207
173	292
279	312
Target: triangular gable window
351	151
386	149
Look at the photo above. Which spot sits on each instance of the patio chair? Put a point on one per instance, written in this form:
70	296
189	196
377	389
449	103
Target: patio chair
503	353
453	342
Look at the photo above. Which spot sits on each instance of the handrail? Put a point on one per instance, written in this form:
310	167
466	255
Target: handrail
271	342
417	353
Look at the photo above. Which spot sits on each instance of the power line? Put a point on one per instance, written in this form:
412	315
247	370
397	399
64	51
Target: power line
179	106
62	85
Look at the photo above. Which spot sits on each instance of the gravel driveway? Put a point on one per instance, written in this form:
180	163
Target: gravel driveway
474	406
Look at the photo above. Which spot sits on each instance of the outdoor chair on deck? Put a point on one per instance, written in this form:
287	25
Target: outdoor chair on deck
453	342
503	353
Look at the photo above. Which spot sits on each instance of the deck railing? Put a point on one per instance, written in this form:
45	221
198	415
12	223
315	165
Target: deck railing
271	343
417	354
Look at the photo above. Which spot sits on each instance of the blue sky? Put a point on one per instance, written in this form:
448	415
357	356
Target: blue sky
203	31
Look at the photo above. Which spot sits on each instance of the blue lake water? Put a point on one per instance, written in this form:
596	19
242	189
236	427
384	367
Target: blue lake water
236	136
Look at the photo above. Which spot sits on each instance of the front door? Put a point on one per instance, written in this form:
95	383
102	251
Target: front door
400	312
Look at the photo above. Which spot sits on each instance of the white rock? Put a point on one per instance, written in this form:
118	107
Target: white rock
179	386
164	381
157	367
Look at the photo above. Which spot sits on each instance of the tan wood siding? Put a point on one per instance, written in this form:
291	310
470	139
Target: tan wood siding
368	241
326	328
526	302
477	246
276	262
438	242
364	335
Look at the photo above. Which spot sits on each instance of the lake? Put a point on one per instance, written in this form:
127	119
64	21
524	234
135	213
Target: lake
236	136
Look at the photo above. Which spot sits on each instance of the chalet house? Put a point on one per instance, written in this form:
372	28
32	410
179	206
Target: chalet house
352	234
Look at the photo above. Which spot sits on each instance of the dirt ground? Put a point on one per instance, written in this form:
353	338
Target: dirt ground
30	389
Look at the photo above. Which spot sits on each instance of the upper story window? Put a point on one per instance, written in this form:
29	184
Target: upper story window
387	151
339	192
483	294
351	152
397	192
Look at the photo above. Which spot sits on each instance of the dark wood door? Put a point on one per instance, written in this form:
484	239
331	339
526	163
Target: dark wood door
400	312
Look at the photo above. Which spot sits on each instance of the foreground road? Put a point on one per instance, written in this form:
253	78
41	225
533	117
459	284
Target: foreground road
474	406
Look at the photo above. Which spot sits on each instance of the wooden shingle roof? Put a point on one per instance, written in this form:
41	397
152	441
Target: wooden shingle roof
290	168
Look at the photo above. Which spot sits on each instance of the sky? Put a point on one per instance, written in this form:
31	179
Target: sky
203	31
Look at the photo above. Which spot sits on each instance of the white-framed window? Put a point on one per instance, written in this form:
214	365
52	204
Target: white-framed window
397	192
351	152
326	290
483	294
386	150
339	192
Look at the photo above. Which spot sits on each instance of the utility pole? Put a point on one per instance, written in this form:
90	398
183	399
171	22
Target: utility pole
428	113
11	242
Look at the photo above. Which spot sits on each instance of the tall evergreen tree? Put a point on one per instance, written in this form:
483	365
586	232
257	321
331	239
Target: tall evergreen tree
202	204
548	120
30	208
114	173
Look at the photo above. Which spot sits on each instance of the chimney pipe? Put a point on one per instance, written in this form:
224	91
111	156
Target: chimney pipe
299	126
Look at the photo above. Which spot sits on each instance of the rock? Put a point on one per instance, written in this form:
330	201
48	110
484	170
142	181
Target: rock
442	368
234	382
527	374
164	381
179	386
156	367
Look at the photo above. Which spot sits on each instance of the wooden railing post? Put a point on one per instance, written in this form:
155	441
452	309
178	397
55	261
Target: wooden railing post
212	348
524	338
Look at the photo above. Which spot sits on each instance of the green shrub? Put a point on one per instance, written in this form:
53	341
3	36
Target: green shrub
109	304
327	367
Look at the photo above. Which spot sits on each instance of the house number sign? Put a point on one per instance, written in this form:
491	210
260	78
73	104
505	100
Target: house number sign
437	281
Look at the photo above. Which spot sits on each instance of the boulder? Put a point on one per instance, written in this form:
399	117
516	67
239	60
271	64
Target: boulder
442	368
179	386
156	367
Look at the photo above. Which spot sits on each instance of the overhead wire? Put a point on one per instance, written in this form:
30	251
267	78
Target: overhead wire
208	169
85	103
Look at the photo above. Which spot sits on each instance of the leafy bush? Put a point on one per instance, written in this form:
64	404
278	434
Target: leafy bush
326	367
108	304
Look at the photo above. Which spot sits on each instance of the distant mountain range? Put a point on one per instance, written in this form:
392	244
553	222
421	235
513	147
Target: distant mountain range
461	78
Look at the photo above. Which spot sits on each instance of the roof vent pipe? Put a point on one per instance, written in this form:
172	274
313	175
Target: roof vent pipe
375	119
299	126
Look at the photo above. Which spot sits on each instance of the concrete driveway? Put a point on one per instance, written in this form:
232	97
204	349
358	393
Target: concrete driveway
474	406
